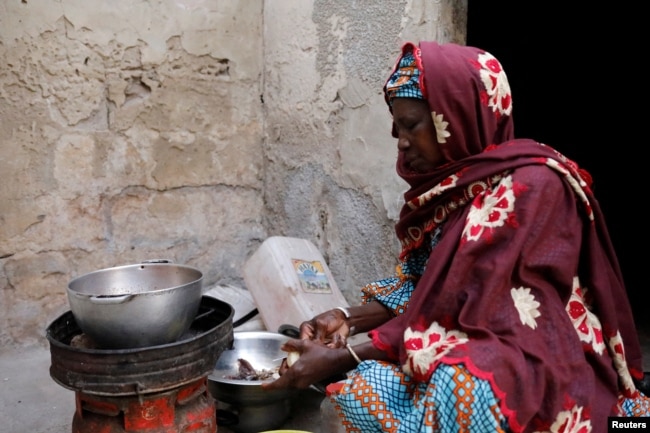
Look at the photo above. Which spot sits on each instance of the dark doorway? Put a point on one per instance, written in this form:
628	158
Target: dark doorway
574	77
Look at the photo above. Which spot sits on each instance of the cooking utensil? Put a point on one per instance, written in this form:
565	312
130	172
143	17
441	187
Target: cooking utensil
140	371
243	405
133	306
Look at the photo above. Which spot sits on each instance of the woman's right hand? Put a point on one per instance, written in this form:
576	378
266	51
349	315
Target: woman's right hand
316	363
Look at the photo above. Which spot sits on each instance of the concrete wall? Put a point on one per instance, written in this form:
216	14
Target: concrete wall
191	130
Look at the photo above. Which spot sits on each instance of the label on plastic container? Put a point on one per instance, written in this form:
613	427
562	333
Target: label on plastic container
312	276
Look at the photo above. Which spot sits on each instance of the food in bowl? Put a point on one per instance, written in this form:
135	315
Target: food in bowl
248	372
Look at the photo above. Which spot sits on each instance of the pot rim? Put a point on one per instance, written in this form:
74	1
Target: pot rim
147	264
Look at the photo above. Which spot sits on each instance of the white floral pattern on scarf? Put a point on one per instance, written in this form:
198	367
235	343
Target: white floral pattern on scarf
425	349
493	209
496	84
571	421
577	183
526	305
447	183
617	351
584	321
441	127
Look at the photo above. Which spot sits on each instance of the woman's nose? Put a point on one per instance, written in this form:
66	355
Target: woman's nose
402	143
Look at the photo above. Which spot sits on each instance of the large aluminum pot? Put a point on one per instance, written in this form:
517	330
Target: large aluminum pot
140	305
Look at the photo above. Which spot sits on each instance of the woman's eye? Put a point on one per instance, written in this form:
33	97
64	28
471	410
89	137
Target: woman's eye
408	126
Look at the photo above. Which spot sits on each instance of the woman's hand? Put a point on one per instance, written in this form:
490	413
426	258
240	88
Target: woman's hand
316	363
329	329
332	328
322	346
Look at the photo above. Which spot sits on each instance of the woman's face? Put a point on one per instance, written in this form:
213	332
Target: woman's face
416	134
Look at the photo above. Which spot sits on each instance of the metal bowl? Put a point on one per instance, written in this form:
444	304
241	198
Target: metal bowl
134	306
246	406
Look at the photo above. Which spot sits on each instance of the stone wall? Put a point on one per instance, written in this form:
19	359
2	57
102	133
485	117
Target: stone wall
191	130
328	143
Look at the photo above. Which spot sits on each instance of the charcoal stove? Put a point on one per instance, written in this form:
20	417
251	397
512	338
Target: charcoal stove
156	389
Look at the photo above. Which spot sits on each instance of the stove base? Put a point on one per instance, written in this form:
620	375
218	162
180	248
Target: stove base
188	409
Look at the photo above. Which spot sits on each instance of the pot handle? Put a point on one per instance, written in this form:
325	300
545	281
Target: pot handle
289	330
146	262
110	299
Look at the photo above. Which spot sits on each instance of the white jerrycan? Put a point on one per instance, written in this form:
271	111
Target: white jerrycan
290	282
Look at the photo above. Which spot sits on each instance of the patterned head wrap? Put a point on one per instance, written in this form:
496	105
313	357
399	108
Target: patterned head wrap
405	81
467	92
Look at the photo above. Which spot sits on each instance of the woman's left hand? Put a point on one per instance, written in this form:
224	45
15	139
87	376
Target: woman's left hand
329	328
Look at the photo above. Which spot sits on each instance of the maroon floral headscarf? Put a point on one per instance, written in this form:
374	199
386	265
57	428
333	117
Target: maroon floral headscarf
523	287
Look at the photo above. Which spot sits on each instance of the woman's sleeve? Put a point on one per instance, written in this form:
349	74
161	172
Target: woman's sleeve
395	292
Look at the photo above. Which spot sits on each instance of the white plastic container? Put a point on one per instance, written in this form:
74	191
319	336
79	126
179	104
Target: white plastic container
290	282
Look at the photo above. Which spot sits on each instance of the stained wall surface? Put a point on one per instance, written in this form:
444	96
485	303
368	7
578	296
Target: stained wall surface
192	130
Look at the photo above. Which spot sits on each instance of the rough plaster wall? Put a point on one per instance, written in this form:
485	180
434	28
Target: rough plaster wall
137	130
331	175
128	131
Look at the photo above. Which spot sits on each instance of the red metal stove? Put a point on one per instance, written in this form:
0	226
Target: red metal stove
158	389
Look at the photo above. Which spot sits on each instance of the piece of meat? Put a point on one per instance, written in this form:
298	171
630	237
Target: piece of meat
246	369
247	372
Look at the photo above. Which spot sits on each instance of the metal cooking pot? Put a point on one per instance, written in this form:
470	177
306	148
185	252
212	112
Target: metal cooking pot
141	371
244	406
132	306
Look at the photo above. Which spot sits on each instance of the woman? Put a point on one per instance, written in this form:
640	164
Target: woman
508	310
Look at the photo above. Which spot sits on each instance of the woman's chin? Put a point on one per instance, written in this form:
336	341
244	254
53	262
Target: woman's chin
420	169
